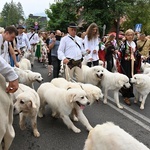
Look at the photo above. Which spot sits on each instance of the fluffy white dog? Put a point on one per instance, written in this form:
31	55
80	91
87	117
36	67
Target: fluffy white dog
63	103
93	92
25	64
141	83
111	137
7	133
27	106
114	82
145	65
92	75
28	77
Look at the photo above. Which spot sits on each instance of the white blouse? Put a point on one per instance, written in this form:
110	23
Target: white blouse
91	45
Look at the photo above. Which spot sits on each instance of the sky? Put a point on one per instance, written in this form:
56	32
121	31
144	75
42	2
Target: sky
35	7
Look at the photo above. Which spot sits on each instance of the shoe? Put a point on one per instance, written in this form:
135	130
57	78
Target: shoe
127	101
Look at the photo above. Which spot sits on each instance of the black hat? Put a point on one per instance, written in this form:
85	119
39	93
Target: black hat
20	27
72	25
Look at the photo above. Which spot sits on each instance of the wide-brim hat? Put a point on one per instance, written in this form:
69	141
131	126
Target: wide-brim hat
72	25
20	27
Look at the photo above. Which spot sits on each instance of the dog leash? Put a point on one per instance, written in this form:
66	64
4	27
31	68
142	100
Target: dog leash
66	68
70	79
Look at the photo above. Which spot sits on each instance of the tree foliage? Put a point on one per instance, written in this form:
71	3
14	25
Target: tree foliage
60	14
101	12
11	14
139	13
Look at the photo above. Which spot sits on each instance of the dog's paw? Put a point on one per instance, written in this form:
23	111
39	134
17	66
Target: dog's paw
90	128
75	118
40	115
141	107
76	130
22	127
135	101
36	134
119	106
105	101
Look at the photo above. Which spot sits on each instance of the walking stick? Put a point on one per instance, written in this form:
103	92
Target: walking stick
132	63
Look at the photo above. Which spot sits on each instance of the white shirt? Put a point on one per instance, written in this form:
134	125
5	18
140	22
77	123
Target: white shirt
69	49
23	41
93	44
7	71
4	52
34	39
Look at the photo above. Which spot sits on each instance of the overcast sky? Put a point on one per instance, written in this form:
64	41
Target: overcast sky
34	7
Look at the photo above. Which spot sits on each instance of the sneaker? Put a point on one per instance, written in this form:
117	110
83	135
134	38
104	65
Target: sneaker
127	101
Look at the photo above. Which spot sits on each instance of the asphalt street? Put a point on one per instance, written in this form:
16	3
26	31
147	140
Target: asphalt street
54	134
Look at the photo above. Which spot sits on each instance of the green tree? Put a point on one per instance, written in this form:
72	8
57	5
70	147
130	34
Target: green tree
140	13
101	12
60	14
11	14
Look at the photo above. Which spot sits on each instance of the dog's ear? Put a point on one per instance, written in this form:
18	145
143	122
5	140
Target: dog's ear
139	81
71	97
120	83
31	104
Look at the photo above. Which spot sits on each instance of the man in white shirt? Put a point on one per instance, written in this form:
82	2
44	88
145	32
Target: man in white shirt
70	51
33	39
6	48
23	43
5	69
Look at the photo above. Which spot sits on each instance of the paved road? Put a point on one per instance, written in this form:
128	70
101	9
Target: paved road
56	136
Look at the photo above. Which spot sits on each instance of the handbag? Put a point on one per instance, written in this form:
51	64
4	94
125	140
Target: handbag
141	48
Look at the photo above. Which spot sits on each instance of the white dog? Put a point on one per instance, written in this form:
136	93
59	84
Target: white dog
62	101
28	77
7	133
141	83
114	82
27	106
92	75
93	92
111	137
145	65
24	64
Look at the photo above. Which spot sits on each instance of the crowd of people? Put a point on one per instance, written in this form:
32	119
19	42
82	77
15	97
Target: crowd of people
52	47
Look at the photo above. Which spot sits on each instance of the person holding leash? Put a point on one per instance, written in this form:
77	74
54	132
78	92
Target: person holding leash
70	52
5	69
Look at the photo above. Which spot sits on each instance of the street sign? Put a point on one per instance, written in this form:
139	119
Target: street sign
138	27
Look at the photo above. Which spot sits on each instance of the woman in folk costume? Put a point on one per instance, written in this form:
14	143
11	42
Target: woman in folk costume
128	49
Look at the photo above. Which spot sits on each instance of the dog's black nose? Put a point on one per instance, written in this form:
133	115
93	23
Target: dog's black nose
101	75
88	103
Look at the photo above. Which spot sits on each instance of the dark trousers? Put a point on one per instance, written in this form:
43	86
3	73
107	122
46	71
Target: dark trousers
126	69
95	63
56	66
110	63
